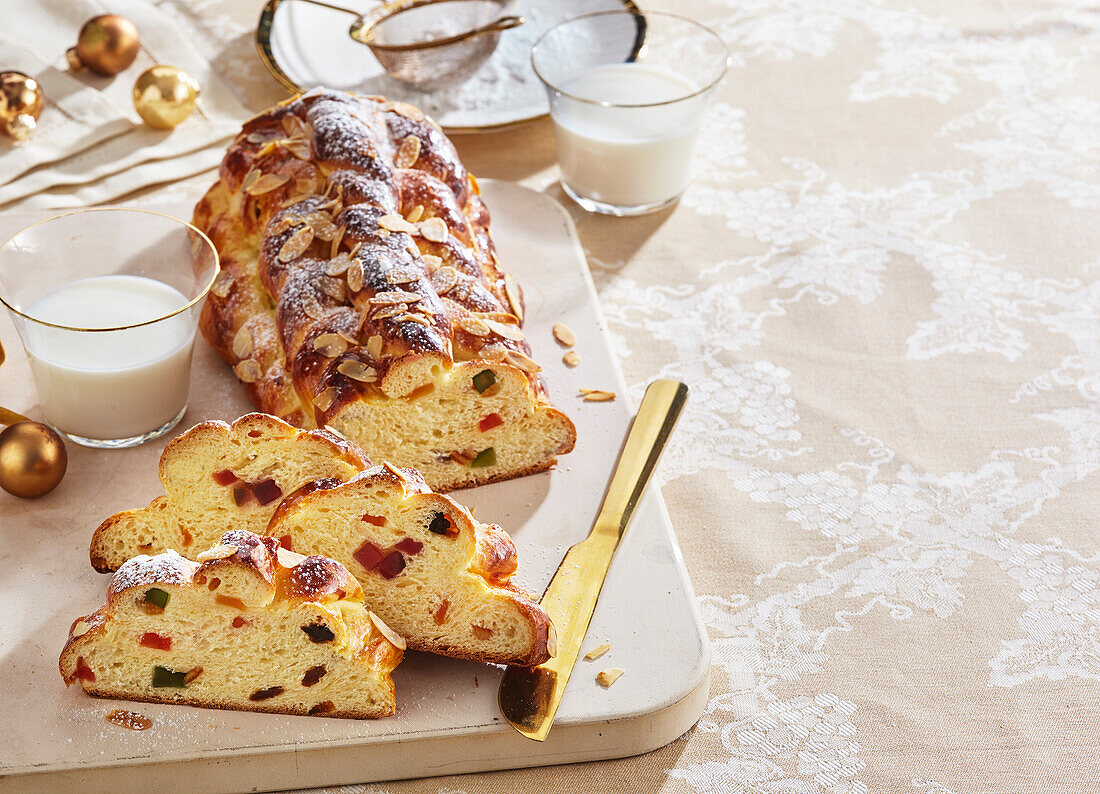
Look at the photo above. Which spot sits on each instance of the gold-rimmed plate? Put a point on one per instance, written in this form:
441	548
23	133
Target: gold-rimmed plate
304	45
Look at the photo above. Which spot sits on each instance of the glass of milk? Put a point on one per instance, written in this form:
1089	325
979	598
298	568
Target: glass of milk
627	92
106	303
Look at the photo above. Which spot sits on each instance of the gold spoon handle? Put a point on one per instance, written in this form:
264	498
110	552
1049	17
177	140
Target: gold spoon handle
529	697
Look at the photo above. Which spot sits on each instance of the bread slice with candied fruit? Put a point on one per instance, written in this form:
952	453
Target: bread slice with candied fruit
427	568
218	477
249	626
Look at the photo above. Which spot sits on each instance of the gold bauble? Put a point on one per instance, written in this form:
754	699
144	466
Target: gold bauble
21	102
32	459
107	44
164	96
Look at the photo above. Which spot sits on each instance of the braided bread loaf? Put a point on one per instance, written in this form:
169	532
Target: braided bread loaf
360	289
250	627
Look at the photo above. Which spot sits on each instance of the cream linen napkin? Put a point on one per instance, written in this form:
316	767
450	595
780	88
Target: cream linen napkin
104	151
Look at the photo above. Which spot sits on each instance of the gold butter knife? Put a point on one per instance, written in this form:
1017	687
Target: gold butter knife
529	696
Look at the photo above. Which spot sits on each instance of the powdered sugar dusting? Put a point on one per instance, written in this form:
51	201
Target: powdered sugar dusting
166	568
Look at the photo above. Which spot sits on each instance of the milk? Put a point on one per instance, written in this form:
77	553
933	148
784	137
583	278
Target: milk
626	156
110	384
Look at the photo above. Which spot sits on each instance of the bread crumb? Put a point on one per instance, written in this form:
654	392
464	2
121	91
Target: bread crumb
606	678
598	651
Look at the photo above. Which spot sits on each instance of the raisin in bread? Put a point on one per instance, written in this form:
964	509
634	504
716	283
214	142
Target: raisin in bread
218	477
438	577
360	289
249	627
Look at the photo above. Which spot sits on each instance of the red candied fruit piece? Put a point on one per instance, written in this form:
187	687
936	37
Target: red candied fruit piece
489	422
391	565
368	555
225	477
238	622
287	542
378	521
151	639
267	492
82	671
409	546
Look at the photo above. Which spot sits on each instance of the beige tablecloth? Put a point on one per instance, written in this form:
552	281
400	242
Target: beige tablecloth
883	289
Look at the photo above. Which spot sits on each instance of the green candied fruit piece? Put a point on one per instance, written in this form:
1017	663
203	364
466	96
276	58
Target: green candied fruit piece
163	677
487	457
156	597
484	379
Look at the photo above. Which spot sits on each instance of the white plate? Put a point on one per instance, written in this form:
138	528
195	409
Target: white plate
447	717
304	45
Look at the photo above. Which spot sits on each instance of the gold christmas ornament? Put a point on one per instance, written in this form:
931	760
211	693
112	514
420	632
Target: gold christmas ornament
164	96
107	44
21	101
32	459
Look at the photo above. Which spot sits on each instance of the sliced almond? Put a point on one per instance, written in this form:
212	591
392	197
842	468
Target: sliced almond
297	244
571	359
355	276
325	399
597	395
351	340
444	280
266	183
256	137
242	343
332	287
374	347
294	126
250	178
222	284
434	229
300	148
512	292
416	213
408	111
390	310
395	296
409	152
407	317
339	264
322	225
80	628
606	678
518	359
329	345
395	639
472	325
397	223
219	552
432	262
506	331
402	275
413	248
288	558
287	221
564	335
598	651
357	370
336	240
248	371
312	307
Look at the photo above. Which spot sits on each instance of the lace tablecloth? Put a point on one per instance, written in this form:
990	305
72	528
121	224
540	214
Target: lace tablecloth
883	288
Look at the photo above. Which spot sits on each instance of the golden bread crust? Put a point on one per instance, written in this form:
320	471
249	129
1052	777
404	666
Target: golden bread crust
358	269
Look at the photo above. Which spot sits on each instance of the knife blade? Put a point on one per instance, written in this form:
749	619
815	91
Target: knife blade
529	697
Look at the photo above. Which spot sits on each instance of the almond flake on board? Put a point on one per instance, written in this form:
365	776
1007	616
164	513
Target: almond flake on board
564	335
597	652
597	395
606	678
571	359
